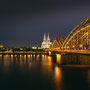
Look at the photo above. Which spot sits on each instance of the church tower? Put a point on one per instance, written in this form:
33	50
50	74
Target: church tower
48	38
46	42
44	39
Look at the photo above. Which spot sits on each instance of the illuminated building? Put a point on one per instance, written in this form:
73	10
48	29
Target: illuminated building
46	42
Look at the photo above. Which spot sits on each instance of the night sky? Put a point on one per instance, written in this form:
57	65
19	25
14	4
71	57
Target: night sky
23	23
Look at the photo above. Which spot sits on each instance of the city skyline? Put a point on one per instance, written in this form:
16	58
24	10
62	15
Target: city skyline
23	23
45	44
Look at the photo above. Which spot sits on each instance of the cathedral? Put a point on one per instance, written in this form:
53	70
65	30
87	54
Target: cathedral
46	42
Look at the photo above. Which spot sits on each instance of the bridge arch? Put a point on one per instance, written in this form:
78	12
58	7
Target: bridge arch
57	43
79	37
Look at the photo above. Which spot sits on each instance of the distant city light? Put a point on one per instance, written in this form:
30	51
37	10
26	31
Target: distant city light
85	48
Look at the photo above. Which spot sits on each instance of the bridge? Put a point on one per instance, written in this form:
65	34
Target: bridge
57	43
78	39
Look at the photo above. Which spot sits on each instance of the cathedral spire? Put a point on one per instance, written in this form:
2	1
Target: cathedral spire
48	38
46	42
44	39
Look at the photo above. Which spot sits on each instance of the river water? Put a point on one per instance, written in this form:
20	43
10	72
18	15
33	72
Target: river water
41	72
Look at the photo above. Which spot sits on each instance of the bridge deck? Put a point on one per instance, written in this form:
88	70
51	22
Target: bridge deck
73	51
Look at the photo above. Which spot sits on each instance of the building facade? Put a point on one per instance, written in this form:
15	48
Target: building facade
46	42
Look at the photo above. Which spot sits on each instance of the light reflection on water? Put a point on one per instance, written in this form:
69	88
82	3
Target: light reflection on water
50	66
89	77
58	78
58	59
43	72
50	60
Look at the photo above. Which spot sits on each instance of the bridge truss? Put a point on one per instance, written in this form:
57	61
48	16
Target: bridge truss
78	39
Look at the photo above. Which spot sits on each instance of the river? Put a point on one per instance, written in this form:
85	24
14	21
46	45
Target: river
41	72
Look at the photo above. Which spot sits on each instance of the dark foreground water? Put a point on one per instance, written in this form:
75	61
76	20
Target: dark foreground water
40	72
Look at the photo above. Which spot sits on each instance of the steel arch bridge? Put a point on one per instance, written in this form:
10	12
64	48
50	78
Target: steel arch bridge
78	39
58	43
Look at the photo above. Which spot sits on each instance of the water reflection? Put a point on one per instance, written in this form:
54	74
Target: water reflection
64	59
24	59
21	57
50	60
44	59
37	57
0	58
50	65
28	57
5	62
58	78
58	56
42	71
89	77
11	59
73	59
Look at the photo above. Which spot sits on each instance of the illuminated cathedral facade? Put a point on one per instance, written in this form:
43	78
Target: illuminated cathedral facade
46	42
